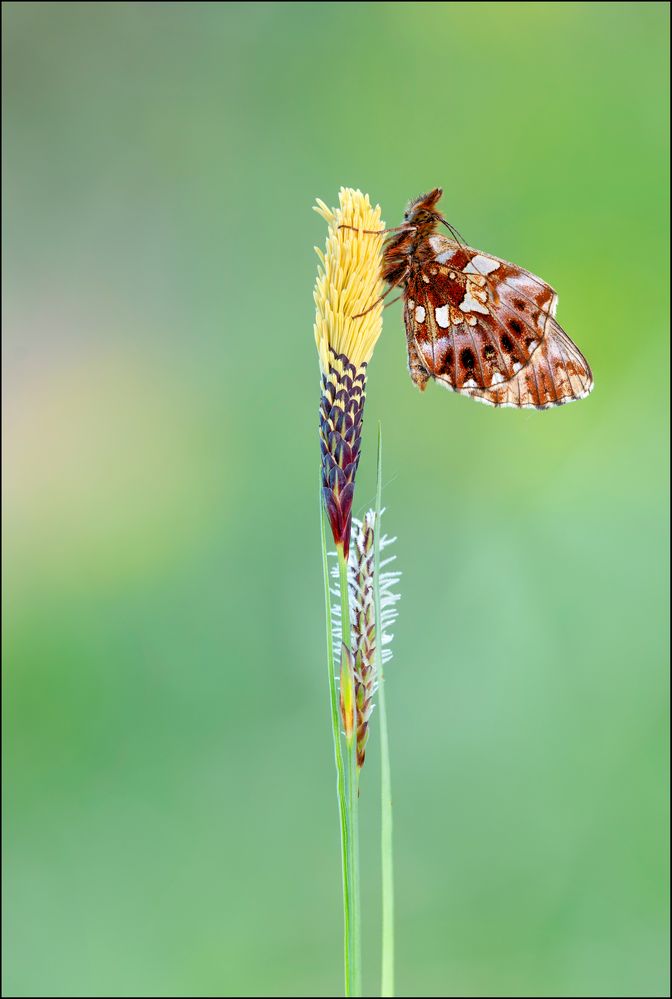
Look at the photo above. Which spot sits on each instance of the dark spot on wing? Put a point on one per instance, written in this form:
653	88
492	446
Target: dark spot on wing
507	343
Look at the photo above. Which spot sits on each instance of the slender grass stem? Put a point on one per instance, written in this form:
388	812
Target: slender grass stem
354	840
340	771
353	797
387	868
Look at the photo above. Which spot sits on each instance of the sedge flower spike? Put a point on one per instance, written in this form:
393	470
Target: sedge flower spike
363	626
368	636
348	322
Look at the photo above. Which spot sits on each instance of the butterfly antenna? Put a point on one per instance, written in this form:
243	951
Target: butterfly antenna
454	232
458	234
463	243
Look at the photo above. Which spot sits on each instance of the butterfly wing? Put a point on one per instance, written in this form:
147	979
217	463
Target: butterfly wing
416	367
486	328
557	373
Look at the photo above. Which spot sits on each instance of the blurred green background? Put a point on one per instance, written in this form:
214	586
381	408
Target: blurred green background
170	817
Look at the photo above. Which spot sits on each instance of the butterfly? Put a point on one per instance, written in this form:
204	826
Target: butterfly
475	323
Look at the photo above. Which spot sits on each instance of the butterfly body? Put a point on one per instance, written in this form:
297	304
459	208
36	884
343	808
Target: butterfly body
477	324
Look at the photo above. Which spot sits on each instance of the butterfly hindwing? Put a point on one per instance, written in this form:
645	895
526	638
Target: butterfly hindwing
484	327
556	374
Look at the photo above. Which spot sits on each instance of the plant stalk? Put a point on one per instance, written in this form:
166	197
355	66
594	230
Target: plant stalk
353	797
340	772
387	867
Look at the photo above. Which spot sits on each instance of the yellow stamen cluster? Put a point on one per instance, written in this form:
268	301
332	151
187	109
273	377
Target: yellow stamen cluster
349	280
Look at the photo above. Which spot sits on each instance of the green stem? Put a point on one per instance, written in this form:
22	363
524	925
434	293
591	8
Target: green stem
387	868
340	771
353	796
354	841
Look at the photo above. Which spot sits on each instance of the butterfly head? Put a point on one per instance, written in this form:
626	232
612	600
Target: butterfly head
422	210
420	221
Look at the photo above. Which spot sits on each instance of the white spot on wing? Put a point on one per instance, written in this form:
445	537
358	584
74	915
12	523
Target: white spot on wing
470	383
419	314
471	304
442	317
481	265
497	378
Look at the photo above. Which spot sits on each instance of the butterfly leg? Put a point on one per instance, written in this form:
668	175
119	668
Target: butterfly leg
358	315
379	232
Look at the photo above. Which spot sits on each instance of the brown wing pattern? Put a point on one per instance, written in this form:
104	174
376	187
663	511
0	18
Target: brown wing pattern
485	328
556	374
